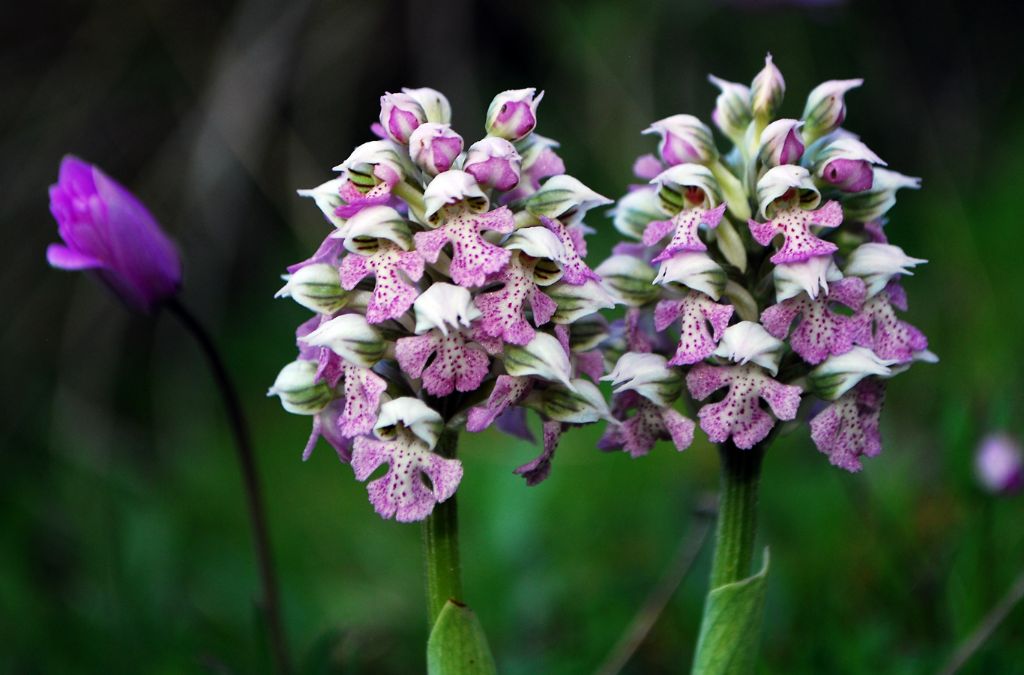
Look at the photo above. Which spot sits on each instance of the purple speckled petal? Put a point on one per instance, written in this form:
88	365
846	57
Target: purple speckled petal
393	269
821	332
363	389
687	224
638	434
739	414
456	365
657	230
539	468
637	339
848	429
794	224
878	328
502	311
574	270
402	493
507	391
697	312
473	258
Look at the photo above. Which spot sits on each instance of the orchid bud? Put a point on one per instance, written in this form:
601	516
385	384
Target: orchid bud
327	198
648	375
684	139
732	113
999	465
542	357
316	287
369	162
843	162
686	186
578	300
435	105
565	198
838	374
785	186
411	414
693	269
364	230
434	147
543	244
582	403
400	114
781	143
748	341
512	114
494	163
453	188
298	389
442	306
880	197
826	107
767	90
352	338
629	279
635	211
877	264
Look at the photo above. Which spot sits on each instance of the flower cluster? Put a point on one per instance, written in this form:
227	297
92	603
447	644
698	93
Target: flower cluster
771	265
451	293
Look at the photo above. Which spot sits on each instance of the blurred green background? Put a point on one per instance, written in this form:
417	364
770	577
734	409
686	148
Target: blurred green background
123	541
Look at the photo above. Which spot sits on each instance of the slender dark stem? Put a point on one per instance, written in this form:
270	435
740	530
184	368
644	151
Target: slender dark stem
737	514
986	628
658	598
441	545
269	604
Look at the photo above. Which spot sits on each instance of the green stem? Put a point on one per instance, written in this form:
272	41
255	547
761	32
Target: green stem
737	514
441	544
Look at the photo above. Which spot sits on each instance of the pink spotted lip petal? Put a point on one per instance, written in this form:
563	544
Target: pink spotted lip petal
739	415
794	224
847	430
402	493
696	312
650	423
363	389
392	267
687	223
878	328
574	270
356	201
821	332
456	365
473	258
503	311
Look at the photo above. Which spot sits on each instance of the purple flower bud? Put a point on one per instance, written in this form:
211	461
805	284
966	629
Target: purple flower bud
400	114
512	114
849	175
998	464
684	139
107	229
434	147
781	143
494	163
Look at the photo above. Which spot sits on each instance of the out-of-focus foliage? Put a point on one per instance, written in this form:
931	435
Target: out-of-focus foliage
123	543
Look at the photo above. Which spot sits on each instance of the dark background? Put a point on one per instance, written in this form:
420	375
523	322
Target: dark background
123	541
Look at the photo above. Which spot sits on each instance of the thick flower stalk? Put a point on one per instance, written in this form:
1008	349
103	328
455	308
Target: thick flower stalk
758	280
449	295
